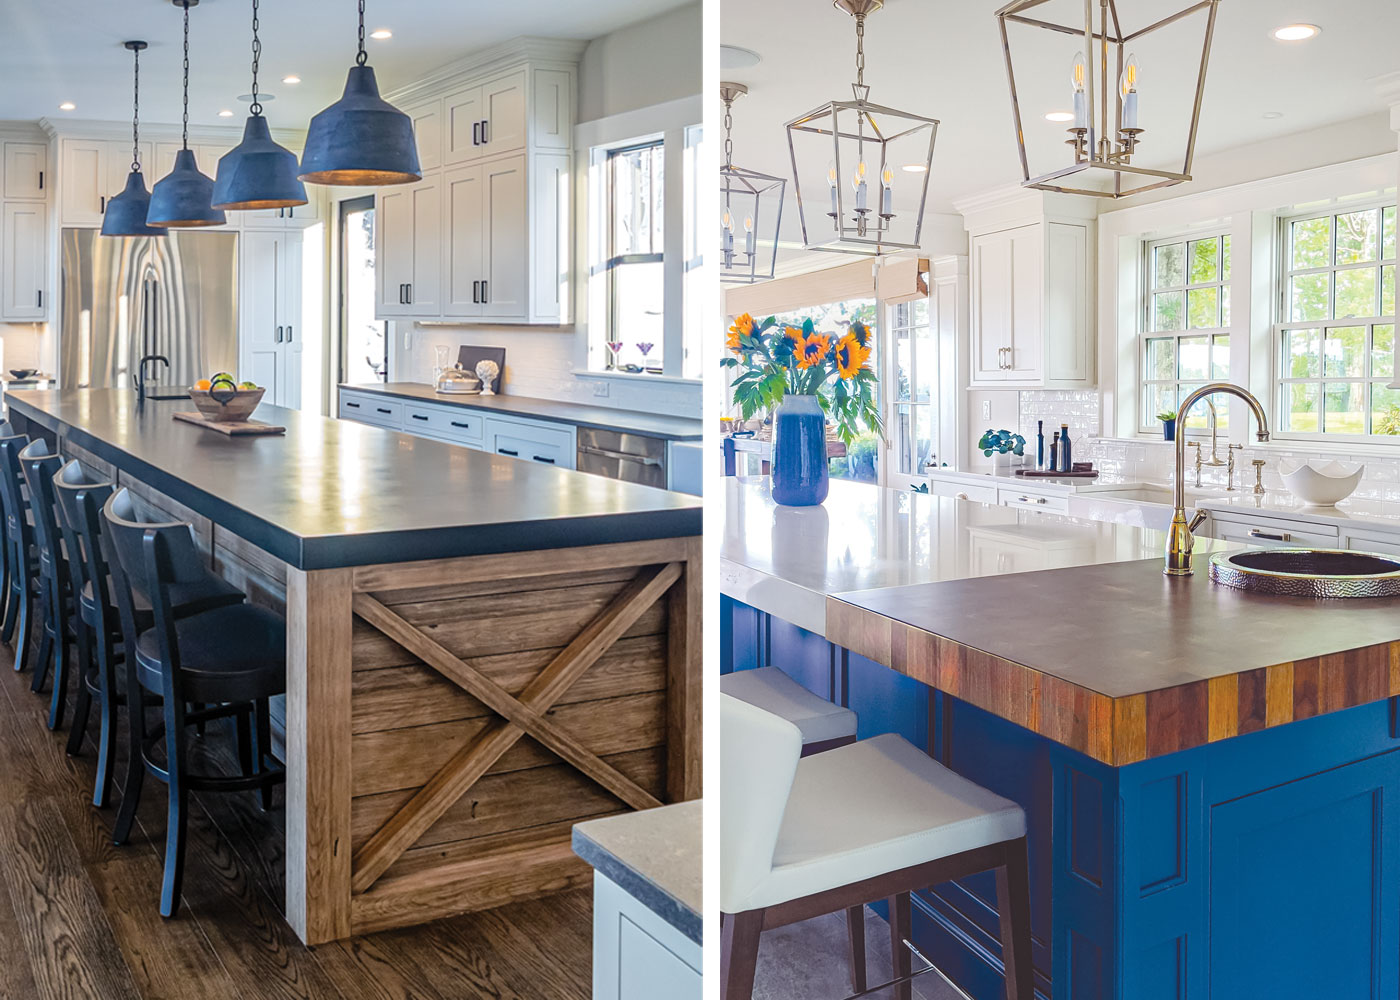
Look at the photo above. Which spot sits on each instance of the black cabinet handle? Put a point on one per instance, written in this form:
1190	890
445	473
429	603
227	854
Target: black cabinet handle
507	451
476	133
546	461
279	335
101	206
353	406
418	416
409	286
40	298
484	297
456	423
41	180
476	292
485	133
289	334
381	409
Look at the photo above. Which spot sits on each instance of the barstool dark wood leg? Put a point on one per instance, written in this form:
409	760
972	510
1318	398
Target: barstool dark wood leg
855	946
176	807
14	578
1014	906
58	703
135	763
243	726
901	961
22	637
262	747
107	737
82	707
739	954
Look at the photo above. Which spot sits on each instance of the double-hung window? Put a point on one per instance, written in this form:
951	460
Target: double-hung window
1336	336
635	262
914	358
1186	325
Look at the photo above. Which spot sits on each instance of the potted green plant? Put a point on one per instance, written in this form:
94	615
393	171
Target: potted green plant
1168	418
999	446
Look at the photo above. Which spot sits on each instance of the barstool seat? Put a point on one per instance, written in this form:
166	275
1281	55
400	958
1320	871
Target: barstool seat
768	688
235	653
873	807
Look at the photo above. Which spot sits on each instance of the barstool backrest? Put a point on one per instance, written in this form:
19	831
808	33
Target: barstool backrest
758	759
6	430
38	462
81	494
11	483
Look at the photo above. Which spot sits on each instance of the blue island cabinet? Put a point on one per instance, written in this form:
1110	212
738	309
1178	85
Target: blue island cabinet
1262	865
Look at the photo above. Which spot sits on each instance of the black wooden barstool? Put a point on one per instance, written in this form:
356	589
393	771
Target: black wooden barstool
6	430
38	463
81	494
233	658
19	544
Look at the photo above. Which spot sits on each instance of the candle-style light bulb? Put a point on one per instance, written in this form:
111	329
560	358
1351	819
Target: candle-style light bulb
1078	75
1128	90
887	191
832	179
748	235
859	183
726	221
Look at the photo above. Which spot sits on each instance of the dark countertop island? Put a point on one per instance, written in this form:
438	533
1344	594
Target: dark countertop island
338	493
659	425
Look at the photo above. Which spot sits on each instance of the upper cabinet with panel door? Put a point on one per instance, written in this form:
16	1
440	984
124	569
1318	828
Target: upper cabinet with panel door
26	169
25	187
486	235
1031	271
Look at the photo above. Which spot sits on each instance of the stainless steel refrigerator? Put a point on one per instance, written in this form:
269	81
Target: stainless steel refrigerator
127	297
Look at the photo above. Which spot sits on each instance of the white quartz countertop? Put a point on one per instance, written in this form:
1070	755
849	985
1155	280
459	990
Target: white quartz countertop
788	560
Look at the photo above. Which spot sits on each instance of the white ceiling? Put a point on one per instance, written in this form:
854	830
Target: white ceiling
944	59
71	51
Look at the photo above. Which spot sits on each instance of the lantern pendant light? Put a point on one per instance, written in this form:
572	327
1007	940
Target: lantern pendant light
361	140
126	212
750	198
183	199
257	173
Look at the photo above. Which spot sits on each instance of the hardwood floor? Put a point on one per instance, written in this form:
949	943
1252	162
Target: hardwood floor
79	917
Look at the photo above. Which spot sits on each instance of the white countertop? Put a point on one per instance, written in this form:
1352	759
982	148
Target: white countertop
788	560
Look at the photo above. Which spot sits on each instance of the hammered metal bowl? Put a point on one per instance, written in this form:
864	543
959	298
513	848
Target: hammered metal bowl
1313	573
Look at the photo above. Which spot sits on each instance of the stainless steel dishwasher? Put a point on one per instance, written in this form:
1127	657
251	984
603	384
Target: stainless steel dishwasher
633	458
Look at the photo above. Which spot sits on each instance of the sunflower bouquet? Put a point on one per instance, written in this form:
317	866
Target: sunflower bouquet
792	360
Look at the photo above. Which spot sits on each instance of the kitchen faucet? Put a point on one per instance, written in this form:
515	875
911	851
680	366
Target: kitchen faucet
1180	539
141	372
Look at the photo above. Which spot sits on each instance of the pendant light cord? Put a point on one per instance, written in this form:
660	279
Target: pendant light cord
362	56
136	112
256	107
185	123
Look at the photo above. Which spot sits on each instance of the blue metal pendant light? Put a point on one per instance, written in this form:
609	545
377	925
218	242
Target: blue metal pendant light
183	199
361	140
257	173
126	213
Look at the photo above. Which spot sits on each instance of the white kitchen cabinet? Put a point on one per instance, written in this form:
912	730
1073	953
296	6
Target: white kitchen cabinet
485	243
26	171
1057	503
25	296
1268	532
637	955
427	132
270	337
1378	540
92	172
408	242
956	490
532	441
1030	306
485	120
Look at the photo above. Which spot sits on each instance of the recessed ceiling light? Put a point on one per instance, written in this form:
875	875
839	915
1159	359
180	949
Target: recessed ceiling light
291	79
226	113
914	168
379	34
1271	115
67	106
1060	116
733	57
1296	32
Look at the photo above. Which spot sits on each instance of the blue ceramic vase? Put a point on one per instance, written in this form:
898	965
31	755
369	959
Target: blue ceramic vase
1169	430
799	452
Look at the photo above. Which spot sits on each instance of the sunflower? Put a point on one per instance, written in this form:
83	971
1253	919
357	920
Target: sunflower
811	350
851	355
743	327
861	332
794	333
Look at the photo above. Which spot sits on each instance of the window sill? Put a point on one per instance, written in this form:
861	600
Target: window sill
638	377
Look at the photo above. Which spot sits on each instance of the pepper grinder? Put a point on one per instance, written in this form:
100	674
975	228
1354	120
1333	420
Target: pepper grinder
1258	477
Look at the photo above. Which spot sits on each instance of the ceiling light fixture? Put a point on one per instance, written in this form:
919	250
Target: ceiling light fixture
291	79
126	212
361	139
758	197
1059	116
257	173
1106	129
226	113
914	168
869	134
733	57
380	34
1296	32
1272	115
182	198
67	106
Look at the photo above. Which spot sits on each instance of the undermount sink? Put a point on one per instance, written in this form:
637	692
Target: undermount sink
1316	573
1152	493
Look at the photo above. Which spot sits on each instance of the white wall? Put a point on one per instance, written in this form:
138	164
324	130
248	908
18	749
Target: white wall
647	63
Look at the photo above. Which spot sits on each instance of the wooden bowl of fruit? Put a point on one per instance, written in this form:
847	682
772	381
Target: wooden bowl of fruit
223	400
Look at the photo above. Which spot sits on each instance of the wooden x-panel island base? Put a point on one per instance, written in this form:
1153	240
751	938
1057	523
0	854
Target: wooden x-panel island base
447	719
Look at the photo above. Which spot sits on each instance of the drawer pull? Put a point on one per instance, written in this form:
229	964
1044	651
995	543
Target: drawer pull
382	409
961	496
418	416
1281	536
353	406
547	461
621	456
507	451
458	423
1030	500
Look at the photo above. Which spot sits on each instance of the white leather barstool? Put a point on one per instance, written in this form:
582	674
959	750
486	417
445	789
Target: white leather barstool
823	726
875	819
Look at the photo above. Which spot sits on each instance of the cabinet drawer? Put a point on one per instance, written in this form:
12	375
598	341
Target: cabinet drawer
962	491
532	449
1033	501
452	423
366	409
1267	531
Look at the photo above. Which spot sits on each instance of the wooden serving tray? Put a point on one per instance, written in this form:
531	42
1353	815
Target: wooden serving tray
1046	474
233	428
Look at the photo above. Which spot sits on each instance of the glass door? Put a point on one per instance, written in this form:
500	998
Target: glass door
364	340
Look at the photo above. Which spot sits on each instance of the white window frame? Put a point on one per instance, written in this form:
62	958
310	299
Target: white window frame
1147	313
1283	324
889	340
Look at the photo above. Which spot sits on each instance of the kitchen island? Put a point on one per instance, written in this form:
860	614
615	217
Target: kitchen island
481	651
1209	777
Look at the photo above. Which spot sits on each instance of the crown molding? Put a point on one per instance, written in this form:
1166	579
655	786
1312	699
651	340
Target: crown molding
1011	205
94	128
527	48
23	130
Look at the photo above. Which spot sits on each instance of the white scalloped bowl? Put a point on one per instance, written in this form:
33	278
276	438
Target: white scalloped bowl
1321	484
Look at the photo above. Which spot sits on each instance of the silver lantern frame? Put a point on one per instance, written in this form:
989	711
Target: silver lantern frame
742	183
866	233
1097	147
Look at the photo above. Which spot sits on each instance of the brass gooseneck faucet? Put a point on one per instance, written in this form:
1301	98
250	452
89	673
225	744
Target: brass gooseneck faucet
1180	539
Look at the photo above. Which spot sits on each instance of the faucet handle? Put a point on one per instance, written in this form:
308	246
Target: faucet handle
1258	464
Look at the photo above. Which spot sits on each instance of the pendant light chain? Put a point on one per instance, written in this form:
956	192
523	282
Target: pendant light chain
362	57
860	50
136	113
256	107
185	123
728	138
